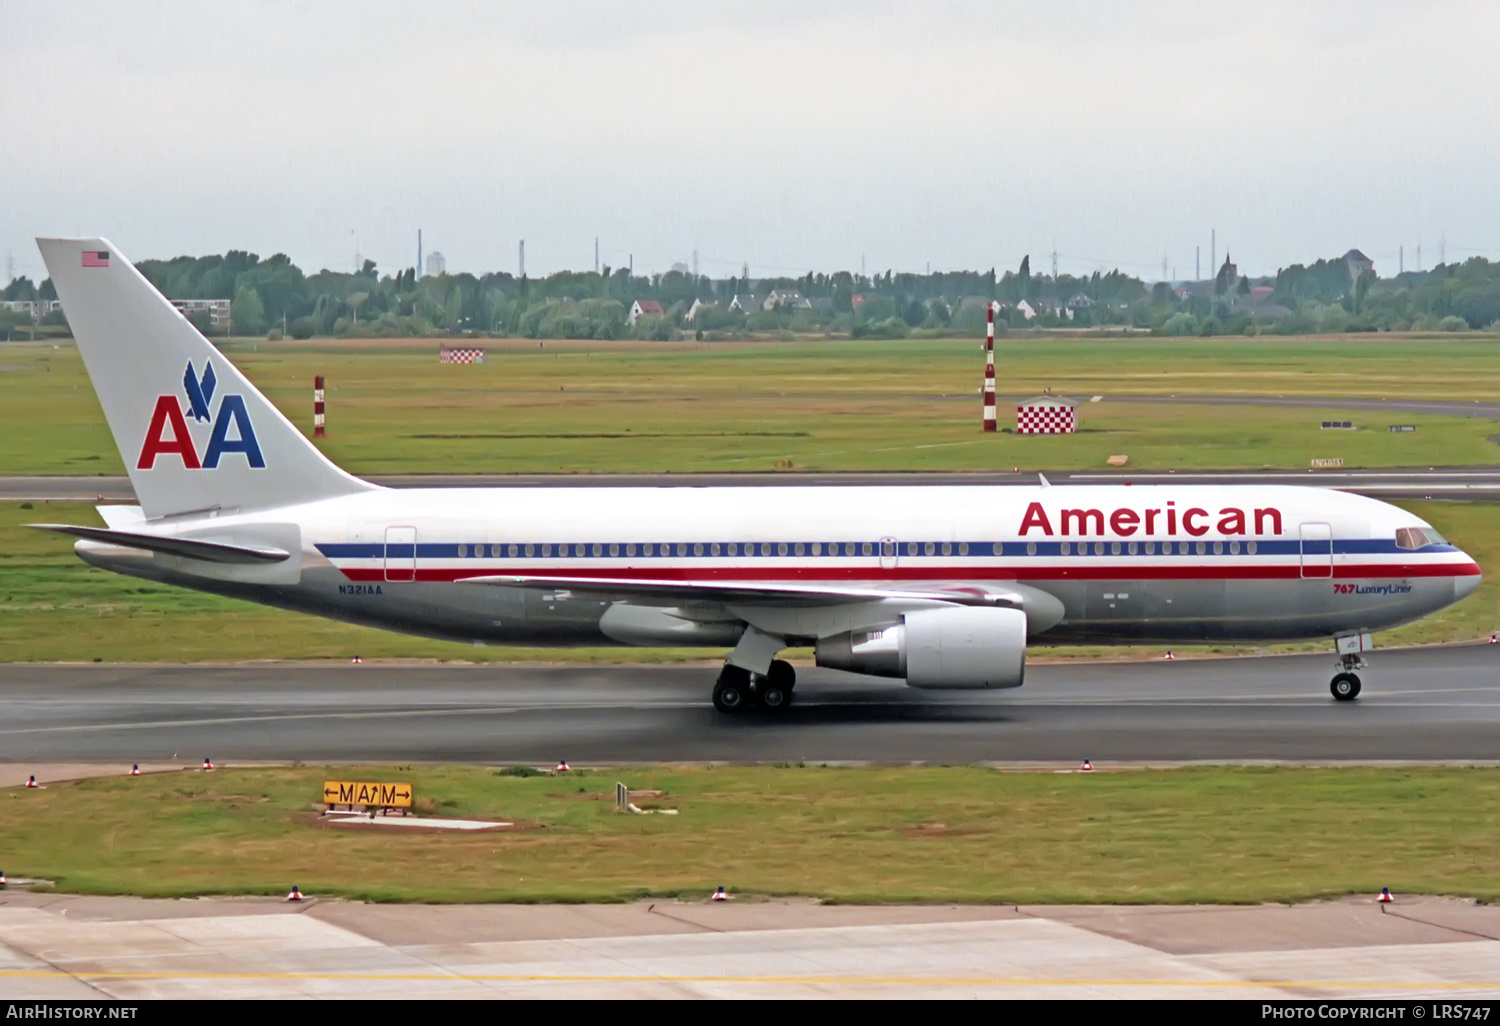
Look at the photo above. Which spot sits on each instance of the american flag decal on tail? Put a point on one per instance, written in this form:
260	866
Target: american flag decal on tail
96	258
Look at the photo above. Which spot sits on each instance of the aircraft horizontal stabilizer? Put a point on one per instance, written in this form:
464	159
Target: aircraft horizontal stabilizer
189	548
750	591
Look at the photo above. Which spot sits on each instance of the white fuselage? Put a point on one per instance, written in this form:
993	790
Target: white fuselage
1192	563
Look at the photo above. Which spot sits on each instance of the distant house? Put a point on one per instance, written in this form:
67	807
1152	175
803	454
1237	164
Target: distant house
791	298
744	304
697	307
1026	310
1055	307
216	310
644	308
857	300
1261	294
1080	302
1358	264
34	308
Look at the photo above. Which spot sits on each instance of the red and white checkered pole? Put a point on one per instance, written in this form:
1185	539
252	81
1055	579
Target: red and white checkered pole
318	406
989	368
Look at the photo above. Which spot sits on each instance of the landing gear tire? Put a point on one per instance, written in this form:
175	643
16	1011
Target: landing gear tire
774	697
732	691
1345	687
781	675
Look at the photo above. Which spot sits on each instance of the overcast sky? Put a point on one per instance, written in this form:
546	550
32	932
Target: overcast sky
792	136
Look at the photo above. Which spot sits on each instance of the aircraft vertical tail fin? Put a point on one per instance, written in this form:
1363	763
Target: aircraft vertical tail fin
195	434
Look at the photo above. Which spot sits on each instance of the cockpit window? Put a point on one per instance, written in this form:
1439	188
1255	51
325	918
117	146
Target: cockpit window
1417	537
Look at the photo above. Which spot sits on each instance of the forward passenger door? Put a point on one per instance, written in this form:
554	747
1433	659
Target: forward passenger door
1317	550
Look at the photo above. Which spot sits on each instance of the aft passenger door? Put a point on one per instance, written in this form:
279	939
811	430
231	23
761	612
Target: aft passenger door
1317	550
400	553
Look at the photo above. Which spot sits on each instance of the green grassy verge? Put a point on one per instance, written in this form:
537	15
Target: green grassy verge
817	406
1204	834
54	607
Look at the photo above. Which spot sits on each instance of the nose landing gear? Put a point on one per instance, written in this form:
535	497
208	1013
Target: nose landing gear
1345	684
1345	687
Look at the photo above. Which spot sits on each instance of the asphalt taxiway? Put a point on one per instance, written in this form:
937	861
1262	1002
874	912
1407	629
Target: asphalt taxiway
1472	483
1417	704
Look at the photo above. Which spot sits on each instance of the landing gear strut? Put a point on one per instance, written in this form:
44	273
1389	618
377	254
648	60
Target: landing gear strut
1345	685
738	689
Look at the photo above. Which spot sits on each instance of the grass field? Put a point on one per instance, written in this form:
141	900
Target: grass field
804	406
55	607
1203	834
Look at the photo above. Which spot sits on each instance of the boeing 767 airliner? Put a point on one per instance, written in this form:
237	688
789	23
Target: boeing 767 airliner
942	586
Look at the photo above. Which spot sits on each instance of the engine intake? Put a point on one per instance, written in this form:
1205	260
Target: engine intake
961	647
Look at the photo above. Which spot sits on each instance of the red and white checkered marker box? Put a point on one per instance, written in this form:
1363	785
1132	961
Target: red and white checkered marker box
458	354
1045	420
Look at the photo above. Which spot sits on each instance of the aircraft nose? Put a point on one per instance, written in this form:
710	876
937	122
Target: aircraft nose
1464	586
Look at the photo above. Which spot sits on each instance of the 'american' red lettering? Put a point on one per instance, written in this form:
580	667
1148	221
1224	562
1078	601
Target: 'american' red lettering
1126	522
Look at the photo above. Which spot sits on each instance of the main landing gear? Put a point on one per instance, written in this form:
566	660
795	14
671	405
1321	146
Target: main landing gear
739	689
1345	685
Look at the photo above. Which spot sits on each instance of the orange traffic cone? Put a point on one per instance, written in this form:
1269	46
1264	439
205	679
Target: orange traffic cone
1087	767
135	770
356	660
3	881
1169	655
1495	639
31	781
207	763
719	894
295	894
1385	896
561	767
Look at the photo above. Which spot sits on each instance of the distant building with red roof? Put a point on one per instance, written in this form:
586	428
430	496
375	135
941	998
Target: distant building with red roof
644	308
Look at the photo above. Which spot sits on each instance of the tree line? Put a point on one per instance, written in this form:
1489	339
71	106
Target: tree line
273	296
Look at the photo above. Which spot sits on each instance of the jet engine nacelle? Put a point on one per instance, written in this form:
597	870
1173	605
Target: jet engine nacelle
962	647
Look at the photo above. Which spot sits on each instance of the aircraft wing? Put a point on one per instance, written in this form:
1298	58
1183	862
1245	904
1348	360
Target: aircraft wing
740	592
191	548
